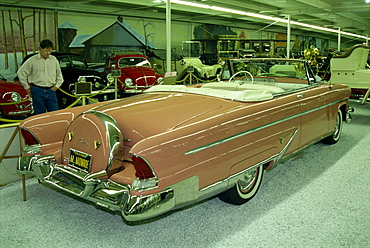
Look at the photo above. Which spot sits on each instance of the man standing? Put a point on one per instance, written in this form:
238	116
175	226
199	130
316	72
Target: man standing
41	76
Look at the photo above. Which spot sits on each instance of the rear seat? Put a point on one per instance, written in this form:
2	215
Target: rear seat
236	86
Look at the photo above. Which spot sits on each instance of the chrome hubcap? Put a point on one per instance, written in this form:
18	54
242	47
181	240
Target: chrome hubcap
337	127
248	180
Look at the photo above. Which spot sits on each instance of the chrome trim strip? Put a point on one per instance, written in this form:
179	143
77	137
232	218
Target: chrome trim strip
279	156
20	112
221	141
233	178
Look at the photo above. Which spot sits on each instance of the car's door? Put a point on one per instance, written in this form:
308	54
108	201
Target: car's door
315	114
265	131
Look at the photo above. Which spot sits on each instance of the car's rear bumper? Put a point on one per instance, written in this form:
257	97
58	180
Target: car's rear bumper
97	188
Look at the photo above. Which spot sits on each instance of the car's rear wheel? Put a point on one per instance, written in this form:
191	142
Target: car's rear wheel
245	188
332	139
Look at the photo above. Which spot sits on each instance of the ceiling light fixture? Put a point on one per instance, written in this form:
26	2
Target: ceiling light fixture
205	6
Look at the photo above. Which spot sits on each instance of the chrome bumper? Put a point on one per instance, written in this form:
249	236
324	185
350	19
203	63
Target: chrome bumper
349	111
95	187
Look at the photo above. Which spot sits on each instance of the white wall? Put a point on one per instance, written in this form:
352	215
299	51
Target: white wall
9	165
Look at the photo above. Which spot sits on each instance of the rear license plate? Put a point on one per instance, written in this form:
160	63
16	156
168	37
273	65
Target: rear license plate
79	159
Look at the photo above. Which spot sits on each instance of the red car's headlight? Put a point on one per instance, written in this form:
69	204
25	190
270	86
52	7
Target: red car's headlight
128	81
16	97
159	80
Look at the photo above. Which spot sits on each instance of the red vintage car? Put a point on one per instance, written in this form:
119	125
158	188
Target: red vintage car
136	72
14	100
174	145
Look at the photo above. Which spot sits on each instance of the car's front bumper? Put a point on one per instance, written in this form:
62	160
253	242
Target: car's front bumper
97	188
17	109
20	112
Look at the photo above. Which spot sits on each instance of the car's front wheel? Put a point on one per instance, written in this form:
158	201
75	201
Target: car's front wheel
332	139
191	78
64	102
245	188
105	97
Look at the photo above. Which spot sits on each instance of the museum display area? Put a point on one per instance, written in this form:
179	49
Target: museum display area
187	124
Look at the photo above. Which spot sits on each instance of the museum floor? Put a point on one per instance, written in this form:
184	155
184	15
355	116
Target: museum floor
319	198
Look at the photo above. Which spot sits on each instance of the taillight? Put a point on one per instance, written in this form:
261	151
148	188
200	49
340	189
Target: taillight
143	170
29	138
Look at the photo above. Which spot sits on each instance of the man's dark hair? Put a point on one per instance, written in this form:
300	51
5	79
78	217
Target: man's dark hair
46	43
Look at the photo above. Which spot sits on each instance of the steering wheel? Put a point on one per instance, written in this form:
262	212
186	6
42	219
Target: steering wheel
239	72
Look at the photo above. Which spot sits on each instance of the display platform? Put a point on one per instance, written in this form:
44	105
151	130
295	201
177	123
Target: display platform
10	148
319	198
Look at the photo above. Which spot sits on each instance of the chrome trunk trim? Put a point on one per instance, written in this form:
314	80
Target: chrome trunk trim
113	132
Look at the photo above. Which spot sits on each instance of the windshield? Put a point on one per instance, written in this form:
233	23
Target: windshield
133	61
78	62
265	70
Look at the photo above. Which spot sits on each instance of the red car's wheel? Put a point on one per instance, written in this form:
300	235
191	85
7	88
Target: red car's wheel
246	188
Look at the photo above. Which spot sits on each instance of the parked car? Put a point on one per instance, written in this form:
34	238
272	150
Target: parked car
74	66
352	68
174	145
136	72
12	92
183	66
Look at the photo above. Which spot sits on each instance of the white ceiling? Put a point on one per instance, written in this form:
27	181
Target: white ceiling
351	16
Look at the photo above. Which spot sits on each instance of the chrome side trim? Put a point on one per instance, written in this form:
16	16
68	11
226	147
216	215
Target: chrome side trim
221	141
279	156
230	181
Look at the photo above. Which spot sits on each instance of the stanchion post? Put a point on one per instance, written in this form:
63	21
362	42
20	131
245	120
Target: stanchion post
83	100
24	188
116	73
115	88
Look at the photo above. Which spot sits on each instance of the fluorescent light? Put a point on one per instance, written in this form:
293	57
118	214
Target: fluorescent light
199	5
205	6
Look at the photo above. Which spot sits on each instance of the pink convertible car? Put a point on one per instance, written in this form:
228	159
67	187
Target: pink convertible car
175	145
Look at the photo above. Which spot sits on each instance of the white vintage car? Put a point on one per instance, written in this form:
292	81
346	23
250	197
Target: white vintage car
351	68
183	66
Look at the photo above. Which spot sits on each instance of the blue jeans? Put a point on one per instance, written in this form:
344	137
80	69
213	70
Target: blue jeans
44	100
